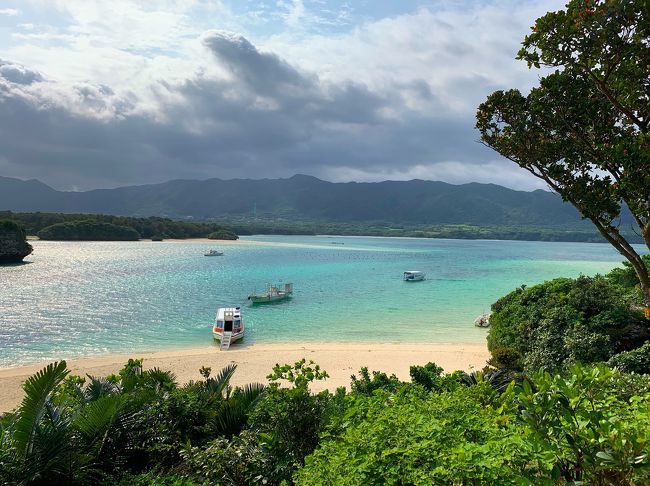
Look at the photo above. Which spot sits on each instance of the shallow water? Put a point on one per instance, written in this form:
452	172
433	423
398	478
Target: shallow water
88	298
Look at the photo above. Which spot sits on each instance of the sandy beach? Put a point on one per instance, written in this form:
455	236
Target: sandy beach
254	362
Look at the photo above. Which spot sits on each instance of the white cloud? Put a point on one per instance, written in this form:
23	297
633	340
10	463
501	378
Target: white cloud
9	12
388	98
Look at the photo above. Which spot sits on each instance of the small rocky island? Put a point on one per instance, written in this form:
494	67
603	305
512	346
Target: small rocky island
13	242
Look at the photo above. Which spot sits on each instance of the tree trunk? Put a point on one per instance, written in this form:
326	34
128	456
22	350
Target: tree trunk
644	280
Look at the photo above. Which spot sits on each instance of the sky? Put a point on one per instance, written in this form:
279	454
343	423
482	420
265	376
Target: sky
99	94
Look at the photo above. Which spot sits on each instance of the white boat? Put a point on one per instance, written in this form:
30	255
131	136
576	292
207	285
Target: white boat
483	320
213	253
414	276
228	326
273	294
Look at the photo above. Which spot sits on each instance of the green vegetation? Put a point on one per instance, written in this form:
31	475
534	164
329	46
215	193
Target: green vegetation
588	319
13	242
222	234
34	223
585	130
583	425
88	231
278	226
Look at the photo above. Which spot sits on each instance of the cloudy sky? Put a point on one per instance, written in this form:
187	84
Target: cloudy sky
97	93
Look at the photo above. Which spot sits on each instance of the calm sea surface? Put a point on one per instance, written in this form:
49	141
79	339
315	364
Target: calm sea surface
88	298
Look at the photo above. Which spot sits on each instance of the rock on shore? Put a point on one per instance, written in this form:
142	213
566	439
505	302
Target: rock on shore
13	243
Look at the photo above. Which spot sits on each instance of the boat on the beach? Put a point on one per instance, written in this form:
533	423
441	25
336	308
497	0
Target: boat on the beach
213	253
483	320
414	276
272	294
228	326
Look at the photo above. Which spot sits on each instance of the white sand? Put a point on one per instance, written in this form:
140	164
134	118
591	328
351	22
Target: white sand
255	361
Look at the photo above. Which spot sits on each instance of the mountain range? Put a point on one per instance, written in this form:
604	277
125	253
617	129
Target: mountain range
303	198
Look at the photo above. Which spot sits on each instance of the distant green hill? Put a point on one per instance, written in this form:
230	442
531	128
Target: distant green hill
413	204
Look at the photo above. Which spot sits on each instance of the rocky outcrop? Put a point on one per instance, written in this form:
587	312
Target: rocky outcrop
13	243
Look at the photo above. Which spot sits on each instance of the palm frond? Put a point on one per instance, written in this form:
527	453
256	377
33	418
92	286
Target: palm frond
216	386
159	379
38	391
98	388
96	417
233	413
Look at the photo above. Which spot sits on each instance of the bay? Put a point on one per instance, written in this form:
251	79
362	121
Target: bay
89	298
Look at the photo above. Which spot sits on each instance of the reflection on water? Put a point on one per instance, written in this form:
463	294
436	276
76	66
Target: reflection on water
79	298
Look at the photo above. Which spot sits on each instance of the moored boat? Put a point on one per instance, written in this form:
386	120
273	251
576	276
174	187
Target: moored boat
273	294
228	326
213	253
483	320
414	276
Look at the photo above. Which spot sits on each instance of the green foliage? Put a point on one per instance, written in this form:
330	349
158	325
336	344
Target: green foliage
580	429
635	361
586	425
222	234
506	358
416	438
432	378
72	430
88	230
8	226
236	462
365	385
588	319
145	227
289	421
527	231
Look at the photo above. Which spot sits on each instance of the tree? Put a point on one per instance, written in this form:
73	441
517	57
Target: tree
585	129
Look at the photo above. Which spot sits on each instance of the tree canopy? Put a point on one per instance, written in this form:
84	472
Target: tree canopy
584	129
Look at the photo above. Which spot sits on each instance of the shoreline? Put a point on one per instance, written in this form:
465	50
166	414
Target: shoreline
255	361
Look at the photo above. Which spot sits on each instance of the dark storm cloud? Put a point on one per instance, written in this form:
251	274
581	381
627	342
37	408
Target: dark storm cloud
268	119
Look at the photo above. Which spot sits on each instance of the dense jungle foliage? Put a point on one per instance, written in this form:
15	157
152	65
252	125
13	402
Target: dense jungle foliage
588	424
562	321
153	227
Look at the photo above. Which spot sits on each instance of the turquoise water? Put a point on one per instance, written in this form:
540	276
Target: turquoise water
88	298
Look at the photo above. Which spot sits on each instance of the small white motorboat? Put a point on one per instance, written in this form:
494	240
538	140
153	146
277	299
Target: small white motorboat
414	276
228	326
213	253
483	320
273	294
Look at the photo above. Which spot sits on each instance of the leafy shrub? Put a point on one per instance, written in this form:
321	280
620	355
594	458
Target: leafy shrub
365	385
289	420
588	319
635	361
582	430
432	378
505	357
416	438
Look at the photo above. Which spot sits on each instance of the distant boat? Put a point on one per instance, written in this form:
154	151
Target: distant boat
483	320
414	276
214	253
228	326
273	294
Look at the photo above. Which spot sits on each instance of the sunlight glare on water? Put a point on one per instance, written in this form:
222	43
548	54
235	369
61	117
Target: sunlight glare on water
88	298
